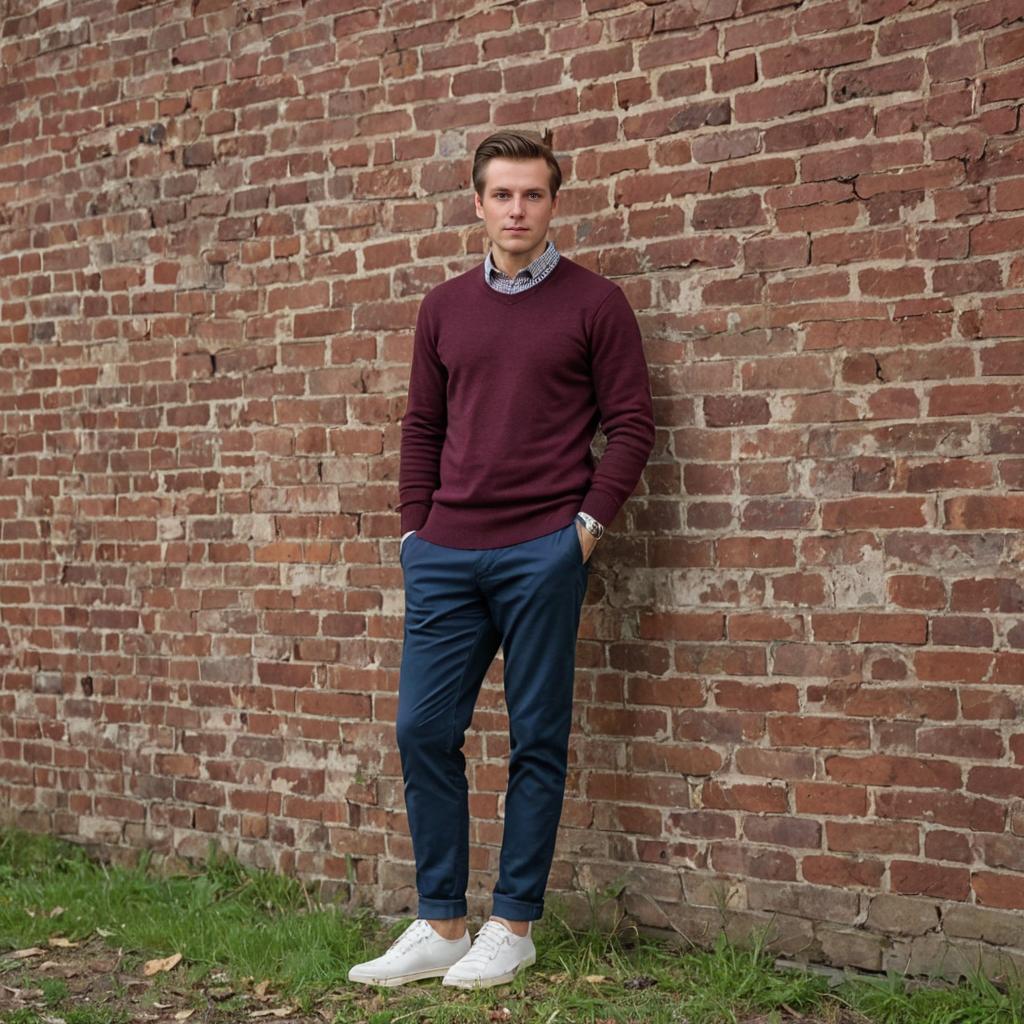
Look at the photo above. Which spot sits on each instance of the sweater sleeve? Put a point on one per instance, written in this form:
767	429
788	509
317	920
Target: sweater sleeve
623	390
423	424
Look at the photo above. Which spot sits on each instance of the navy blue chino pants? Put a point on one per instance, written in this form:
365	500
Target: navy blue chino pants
461	604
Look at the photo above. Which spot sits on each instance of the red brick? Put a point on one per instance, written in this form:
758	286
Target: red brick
797	731
751	861
843	871
996	781
826	798
869	628
952	666
919	878
940	845
780	830
798	588
683	626
912	591
758	626
755	551
891	770
866	513
775	764
902	702
962	740
626	722
1003	890
731	693
740	796
861	838
735	410
703	824
991	511
953	809
664	757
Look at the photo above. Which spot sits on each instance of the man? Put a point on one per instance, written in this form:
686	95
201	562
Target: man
514	365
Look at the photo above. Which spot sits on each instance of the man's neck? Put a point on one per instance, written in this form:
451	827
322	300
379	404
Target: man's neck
515	261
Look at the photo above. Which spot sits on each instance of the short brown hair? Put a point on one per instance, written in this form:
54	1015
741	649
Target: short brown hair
513	146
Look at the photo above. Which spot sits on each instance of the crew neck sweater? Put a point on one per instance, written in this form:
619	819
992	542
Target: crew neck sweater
505	394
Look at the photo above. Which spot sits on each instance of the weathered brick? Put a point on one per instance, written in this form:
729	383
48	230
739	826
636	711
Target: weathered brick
902	915
818	903
850	947
998	927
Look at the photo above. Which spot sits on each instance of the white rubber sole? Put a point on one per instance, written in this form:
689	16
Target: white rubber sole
498	979
400	979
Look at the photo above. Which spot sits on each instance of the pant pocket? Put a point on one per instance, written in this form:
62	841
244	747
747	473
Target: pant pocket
403	548
577	543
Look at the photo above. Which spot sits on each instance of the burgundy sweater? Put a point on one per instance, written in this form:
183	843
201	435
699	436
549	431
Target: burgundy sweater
505	394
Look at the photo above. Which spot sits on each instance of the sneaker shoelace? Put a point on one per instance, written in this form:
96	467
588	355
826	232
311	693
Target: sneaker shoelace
412	936
489	940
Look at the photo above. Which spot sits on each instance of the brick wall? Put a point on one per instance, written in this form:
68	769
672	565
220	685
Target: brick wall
801	667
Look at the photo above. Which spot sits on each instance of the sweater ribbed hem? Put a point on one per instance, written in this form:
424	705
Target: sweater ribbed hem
465	528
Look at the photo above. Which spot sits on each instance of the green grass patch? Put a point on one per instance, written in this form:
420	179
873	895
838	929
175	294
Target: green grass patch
252	941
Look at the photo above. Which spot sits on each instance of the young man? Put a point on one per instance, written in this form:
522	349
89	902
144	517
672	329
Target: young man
514	365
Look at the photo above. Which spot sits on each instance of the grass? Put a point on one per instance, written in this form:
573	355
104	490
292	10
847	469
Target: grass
260	946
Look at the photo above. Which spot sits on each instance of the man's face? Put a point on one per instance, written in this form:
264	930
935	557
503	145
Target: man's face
517	194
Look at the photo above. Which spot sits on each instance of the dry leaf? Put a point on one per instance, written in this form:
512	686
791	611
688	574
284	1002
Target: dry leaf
56	912
58	940
595	978
281	1011
25	994
155	966
260	990
104	932
22	954
183	1014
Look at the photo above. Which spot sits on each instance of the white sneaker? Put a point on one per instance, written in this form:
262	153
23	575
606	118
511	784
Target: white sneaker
419	952
496	957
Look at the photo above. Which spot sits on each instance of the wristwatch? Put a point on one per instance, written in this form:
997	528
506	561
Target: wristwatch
590	524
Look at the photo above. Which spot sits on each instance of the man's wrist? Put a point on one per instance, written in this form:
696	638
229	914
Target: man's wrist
590	524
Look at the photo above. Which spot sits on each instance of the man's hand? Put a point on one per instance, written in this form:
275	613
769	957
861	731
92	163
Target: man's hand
587	540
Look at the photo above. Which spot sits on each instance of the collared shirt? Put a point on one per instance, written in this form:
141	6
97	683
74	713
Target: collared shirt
527	277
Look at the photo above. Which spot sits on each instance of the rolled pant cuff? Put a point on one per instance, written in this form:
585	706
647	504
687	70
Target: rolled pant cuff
441	910
516	910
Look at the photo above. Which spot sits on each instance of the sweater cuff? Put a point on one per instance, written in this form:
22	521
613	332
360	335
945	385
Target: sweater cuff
414	515
602	507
